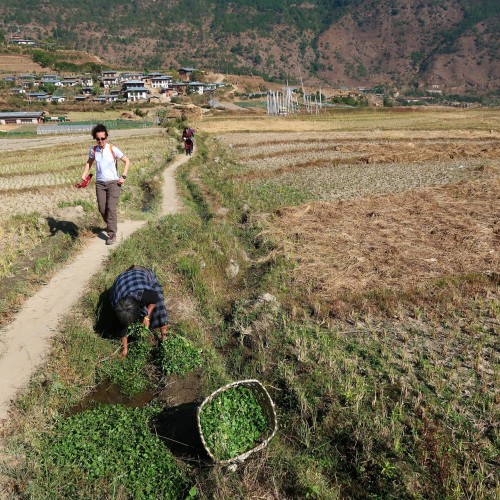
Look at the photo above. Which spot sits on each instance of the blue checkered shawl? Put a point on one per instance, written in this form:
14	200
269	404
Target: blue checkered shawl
133	283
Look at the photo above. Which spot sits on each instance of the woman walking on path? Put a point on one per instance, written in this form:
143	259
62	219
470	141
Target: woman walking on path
108	180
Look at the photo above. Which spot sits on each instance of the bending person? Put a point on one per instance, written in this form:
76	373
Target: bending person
137	295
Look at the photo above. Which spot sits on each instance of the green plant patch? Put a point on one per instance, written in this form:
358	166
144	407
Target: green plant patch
178	356
114	446
128	373
232	422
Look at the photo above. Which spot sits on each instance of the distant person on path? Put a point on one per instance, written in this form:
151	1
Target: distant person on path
188	140
108	181
137	295
188	146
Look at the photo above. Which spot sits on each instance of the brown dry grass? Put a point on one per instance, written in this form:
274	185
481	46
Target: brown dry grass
396	241
383	151
367	123
17	63
365	153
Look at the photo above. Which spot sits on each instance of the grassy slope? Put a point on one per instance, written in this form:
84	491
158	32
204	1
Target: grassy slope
368	406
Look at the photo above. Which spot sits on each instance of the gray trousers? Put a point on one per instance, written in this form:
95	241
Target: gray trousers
108	194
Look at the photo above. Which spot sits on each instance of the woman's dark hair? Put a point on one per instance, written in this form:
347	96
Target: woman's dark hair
99	128
127	311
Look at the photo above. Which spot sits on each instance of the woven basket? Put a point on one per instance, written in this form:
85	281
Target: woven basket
268	409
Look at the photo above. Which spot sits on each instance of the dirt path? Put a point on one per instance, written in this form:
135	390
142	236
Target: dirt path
25	341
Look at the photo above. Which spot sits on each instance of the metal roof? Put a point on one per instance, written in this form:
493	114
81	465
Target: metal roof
21	114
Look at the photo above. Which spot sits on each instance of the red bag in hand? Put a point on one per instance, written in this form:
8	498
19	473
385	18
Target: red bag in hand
85	182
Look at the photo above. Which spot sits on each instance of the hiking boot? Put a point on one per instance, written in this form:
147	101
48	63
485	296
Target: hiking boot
111	241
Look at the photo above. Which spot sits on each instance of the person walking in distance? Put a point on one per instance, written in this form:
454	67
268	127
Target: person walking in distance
108	181
188	140
188	146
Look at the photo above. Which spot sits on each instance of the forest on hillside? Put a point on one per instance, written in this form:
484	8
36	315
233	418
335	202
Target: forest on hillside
264	37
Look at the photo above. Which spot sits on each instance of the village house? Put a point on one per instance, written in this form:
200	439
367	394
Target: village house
149	76
28	84
17	91
21	117
51	79
110	73
86	90
179	87
38	96
107	82
21	41
136	94
196	87
433	88
70	82
185	73
132	84
28	81
87	80
56	99
109	97
131	76
161	82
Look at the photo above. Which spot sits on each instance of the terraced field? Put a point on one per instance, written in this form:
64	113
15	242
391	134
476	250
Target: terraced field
396	181
381	243
40	180
336	168
36	183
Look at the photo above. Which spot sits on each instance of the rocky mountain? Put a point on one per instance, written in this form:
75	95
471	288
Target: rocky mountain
450	43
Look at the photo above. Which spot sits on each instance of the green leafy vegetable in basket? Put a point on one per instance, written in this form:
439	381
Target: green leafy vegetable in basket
178	356
232	422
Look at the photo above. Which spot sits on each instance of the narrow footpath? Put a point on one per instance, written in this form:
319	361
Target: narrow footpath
26	340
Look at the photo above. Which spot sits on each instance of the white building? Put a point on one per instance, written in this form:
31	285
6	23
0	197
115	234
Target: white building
161	82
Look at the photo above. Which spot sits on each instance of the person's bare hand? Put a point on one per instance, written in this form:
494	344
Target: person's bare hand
124	352
163	333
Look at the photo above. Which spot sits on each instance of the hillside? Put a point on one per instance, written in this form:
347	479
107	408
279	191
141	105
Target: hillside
452	43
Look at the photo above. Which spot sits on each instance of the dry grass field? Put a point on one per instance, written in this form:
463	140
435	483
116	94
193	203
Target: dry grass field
379	234
40	181
385	208
35	183
17	63
404	123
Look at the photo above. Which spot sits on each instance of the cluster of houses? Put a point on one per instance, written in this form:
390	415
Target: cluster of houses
111	86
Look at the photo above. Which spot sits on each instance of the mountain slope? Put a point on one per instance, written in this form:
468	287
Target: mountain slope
345	42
